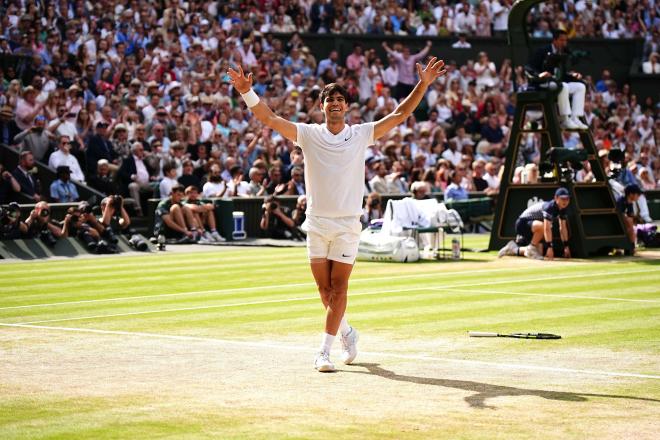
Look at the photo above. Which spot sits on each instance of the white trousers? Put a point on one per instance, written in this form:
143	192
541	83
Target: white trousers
575	108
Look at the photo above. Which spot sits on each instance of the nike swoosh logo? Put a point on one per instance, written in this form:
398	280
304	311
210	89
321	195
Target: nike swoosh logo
345	256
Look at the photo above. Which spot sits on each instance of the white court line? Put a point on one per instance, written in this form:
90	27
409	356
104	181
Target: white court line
273	301
298	348
604	298
294	285
268	287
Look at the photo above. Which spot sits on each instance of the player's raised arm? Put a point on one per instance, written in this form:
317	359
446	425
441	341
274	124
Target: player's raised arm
259	108
434	69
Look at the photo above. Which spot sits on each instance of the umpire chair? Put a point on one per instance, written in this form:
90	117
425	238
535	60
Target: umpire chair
596	227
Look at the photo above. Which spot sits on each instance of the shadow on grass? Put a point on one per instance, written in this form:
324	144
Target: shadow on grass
484	391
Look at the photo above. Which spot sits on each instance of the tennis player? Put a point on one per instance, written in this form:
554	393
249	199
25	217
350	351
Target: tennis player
334	175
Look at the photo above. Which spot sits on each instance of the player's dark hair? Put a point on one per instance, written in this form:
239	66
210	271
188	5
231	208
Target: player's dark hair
332	88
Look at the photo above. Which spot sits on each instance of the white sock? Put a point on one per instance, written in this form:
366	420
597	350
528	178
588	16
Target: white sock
344	328
326	345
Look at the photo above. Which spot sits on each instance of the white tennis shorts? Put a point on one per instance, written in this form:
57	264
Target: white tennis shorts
336	239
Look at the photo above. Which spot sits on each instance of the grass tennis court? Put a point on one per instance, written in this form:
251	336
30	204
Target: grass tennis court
220	345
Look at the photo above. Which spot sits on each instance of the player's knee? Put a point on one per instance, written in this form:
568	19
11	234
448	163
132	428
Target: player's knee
339	287
326	291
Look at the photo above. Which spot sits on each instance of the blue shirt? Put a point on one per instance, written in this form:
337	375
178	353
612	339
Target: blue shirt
456	192
63	192
543	211
624	207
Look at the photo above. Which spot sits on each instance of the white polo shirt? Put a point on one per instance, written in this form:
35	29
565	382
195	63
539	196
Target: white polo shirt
334	168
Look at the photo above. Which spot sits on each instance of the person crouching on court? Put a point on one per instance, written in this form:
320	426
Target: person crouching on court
534	229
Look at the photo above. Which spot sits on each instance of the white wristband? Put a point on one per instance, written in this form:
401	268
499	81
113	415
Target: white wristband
250	98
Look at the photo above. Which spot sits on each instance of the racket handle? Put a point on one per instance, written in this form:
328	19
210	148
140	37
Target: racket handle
482	334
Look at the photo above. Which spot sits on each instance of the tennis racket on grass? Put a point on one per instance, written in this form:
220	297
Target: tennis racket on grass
513	335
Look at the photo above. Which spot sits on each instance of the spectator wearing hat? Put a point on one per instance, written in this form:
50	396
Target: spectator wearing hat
534	229
120	142
625	205
102	180
63	190
64	157
99	147
36	138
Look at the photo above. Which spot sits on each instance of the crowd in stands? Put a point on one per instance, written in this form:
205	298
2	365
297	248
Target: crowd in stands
132	97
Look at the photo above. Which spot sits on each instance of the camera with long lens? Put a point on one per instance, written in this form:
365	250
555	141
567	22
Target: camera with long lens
85	208
136	241
44	212
9	214
117	202
616	157
48	238
565	163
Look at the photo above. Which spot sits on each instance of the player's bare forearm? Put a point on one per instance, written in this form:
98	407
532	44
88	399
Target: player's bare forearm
410	103
563	230
267	117
547	231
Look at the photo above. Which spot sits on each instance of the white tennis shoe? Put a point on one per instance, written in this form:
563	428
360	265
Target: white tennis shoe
217	237
510	249
349	346
532	252
323	363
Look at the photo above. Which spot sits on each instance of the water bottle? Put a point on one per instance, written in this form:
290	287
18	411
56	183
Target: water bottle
455	249
161	242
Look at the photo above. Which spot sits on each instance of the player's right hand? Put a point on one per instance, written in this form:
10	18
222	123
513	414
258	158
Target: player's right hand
240	82
550	255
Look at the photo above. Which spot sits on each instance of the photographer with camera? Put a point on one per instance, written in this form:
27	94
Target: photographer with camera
8	185
81	223
534	229
276	221
11	226
39	224
373	209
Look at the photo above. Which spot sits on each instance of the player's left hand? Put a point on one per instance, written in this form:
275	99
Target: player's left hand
240	82
434	69
567	252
